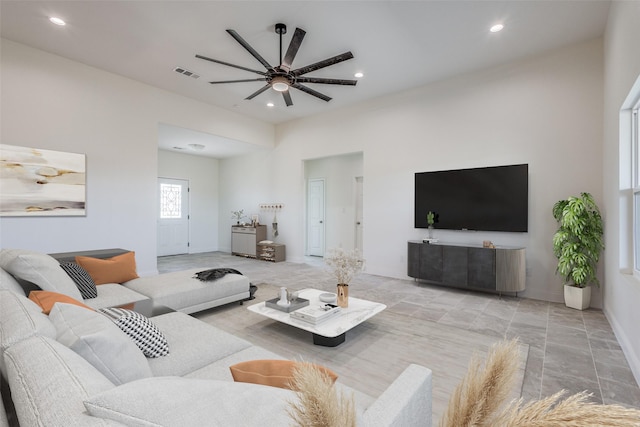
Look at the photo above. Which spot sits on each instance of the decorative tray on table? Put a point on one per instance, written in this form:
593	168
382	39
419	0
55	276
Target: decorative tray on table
295	304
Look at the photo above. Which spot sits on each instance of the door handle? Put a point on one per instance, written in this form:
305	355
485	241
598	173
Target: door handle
358	223
320	222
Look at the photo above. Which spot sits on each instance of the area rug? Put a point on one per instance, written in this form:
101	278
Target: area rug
374	353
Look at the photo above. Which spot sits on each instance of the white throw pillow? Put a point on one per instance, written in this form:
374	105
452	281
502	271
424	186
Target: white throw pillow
44	271
177	401
100	342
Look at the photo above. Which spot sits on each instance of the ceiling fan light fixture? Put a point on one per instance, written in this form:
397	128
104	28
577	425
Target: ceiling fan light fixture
280	84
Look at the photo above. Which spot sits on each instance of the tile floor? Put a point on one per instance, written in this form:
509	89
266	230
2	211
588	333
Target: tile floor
568	349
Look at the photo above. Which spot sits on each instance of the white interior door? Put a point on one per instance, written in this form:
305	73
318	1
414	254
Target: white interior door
359	209
315	217
173	216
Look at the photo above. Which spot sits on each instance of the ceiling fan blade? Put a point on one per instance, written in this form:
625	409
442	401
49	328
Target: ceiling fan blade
251	50
292	50
238	81
258	92
287	98
322	64
311	92
326	81
231	65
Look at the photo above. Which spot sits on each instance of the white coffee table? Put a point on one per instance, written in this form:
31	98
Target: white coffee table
331	332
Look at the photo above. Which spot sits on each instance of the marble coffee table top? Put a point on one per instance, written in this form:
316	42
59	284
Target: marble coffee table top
358	311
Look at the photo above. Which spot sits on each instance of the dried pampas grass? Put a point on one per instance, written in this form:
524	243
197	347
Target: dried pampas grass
482	391
476	400
573	411
318	402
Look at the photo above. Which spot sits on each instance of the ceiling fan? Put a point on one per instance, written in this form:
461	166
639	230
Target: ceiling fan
282	77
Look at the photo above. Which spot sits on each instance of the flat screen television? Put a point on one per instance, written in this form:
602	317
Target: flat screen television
484	199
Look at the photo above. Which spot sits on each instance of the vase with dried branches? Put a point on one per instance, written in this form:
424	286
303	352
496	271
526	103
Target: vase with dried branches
345	265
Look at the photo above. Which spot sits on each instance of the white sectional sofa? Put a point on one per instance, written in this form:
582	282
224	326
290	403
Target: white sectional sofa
52	384
51	380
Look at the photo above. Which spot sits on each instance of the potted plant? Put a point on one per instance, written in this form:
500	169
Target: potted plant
238	215
578	244
432	218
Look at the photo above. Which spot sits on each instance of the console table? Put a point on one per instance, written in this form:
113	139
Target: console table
501	269
244	239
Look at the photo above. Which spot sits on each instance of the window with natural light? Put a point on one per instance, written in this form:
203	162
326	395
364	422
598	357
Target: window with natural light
170	201
635	138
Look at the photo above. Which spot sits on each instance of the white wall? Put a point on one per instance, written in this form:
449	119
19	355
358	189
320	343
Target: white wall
339	174
202	174
545	111
53	103
622	69
245	183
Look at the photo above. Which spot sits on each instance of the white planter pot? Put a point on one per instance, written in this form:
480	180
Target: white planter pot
578	298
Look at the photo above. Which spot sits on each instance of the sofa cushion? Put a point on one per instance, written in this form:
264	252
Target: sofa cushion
40	269
47	299
8	282
100	342
48	383
20	319
81	278
149	339
180	290
174	401
118	269
274	373
114	295
193	343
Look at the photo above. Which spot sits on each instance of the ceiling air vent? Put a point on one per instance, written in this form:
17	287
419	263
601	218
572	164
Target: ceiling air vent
186	72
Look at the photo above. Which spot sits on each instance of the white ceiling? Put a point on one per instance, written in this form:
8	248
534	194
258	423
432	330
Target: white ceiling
398	45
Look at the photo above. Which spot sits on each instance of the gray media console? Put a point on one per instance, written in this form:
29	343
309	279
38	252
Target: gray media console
468	267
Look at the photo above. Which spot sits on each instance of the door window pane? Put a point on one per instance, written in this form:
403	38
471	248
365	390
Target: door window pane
170	198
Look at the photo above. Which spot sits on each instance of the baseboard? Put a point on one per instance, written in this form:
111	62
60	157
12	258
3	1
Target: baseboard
633	359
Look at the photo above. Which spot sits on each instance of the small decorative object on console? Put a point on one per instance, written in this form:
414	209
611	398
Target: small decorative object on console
488	244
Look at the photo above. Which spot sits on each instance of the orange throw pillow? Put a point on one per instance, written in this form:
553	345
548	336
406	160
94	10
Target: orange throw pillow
46	300
119	269
274	373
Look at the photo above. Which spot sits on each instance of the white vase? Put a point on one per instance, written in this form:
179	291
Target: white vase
578	298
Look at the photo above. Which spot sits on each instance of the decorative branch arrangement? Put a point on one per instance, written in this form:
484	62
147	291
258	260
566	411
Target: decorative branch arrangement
345	264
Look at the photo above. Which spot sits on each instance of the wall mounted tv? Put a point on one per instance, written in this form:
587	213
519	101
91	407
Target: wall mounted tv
487	199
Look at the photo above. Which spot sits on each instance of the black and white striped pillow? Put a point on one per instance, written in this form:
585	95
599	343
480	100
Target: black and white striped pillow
81	278
149	339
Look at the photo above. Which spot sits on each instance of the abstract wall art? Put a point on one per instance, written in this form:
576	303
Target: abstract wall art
35	182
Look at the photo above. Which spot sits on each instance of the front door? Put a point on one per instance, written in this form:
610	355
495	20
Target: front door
315	217
173	216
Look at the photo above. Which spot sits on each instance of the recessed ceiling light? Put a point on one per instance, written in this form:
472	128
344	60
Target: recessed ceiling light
270	104
358	75
496	28
57	21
